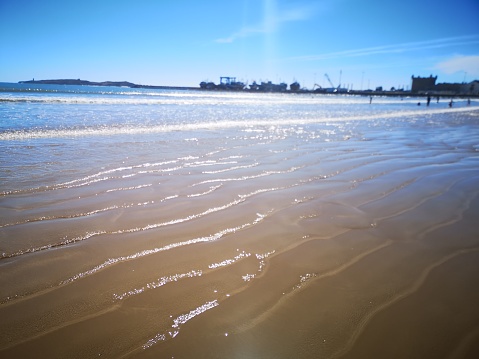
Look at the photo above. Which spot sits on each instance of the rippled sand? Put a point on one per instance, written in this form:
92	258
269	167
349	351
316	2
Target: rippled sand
269	244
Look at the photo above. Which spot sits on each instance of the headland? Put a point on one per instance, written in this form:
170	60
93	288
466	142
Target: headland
78	82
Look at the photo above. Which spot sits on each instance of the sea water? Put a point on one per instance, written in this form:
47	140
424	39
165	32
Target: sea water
179	215
52	134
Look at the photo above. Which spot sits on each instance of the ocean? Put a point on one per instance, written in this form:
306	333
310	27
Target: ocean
139	223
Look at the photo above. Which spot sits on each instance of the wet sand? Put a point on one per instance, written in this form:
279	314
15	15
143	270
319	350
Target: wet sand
281	246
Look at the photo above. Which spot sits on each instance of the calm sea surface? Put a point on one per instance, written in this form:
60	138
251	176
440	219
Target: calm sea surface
160	223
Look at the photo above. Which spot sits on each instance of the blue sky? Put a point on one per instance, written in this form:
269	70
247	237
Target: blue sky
362	43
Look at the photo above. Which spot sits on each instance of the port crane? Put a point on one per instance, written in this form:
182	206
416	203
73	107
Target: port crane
334	88
329	80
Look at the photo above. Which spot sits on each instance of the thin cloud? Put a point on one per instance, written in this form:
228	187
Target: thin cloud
397	48
243	32
468	64
270	23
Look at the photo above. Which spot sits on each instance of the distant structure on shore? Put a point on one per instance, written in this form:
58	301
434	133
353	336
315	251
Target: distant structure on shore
230	84
421	86
423	83
427	85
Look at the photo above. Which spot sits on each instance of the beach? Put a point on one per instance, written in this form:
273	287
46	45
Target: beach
190	225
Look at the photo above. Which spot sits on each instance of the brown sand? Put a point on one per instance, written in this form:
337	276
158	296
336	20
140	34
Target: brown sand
355	249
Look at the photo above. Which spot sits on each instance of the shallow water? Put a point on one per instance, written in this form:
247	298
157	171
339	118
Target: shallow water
212	225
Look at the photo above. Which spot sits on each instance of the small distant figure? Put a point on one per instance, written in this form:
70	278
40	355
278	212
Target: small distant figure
419	104
370	99
450	103
437	99
428	100
468	102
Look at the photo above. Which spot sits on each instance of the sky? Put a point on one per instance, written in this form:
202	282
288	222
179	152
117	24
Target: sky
360	44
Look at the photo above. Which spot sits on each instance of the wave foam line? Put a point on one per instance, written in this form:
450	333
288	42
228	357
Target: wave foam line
232	168
244	178
181	220
129	188
90	213
79	238
138	229
209	163
180	320
127	130
139	98
148	252
77	215
241	199
227	262
52	245
159	283
211	190
191	274
87	180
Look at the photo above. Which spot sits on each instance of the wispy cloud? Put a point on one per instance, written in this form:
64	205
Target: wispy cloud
243	32
396	48
271	22
468	64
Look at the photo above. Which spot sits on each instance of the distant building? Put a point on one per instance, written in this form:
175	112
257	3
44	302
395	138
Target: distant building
428	85
449	88
471	88
295	86
423	84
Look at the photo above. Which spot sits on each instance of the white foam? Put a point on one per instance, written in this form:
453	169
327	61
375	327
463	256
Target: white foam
19	135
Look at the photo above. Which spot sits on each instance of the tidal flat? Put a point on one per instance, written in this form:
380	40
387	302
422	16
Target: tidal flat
213	225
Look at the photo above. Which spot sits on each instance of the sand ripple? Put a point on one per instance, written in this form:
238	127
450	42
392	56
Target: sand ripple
278	241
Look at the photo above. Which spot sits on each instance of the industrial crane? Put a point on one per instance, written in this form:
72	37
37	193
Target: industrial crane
329	80
334	88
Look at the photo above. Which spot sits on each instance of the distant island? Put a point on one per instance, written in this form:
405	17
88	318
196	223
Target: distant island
79	82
